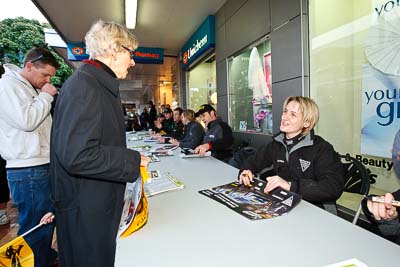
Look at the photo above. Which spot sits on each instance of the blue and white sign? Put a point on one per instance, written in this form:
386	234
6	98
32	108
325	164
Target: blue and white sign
380	118
202	40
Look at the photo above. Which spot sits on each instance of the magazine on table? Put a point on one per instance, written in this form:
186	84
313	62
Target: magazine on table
155	174
153	158
189	153
251	201
135	138
150	139
141	148
348	263
161	183
164	150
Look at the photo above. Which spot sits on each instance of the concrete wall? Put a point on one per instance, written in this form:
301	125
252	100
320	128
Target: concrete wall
239	23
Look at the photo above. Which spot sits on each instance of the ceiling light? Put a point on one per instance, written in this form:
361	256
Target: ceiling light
130	13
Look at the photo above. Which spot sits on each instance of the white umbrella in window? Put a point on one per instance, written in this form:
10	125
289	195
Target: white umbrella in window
383	44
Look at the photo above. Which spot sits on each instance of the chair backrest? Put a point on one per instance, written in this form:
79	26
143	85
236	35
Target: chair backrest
241	155
357	178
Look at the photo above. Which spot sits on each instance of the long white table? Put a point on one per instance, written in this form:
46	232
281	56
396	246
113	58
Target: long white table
186	228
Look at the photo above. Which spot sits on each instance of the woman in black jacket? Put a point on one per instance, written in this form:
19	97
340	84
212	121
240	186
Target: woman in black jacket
193	134
297	159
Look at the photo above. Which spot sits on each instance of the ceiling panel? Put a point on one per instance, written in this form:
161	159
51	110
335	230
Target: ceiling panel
167	23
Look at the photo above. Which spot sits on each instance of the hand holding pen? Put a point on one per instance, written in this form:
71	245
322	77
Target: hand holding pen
384	207
246	177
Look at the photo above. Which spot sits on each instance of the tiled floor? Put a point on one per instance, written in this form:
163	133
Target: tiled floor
9	231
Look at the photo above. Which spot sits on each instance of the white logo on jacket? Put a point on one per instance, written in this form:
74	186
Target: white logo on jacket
304	164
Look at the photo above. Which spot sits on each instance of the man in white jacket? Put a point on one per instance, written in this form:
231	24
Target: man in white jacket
25	122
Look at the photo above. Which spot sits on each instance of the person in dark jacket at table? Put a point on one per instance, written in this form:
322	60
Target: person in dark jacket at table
90	163
218	138
297	159
152	115
193	134
165	126
385	215
176	130
144	119
177	127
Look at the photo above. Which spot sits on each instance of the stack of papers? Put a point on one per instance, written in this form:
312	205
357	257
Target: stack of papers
349	263
162	183
135	138
164	150
189	153
153	158
141	147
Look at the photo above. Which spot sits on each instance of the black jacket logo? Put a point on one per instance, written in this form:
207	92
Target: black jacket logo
304	164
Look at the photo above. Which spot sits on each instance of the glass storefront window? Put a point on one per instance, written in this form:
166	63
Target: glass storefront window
202	85
354	78
250	92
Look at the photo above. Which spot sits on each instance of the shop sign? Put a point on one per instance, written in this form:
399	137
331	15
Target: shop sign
380	118
149	55
201	41
77	52
144	55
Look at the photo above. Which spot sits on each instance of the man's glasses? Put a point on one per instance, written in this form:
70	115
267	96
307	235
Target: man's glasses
131	53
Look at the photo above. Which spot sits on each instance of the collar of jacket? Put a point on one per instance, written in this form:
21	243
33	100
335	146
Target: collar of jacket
103	77
308	140
209	125
13	71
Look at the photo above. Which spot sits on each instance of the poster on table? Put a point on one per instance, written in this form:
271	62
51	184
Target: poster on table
251	201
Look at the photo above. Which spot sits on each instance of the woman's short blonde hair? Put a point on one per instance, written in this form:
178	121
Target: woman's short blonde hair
106	36
189	114
308	108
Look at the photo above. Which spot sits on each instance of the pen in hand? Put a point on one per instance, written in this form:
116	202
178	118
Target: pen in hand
382	200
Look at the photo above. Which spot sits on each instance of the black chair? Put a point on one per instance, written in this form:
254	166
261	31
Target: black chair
357	179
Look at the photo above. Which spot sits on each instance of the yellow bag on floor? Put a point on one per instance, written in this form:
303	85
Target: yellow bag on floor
135	211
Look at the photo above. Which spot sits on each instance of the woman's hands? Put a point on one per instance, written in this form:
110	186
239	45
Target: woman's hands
246	177
274	182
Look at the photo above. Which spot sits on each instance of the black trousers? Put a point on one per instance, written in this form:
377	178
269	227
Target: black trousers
4	191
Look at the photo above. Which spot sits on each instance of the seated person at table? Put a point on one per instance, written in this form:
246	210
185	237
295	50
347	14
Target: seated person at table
386	215
165	127
176	130
297	159
193	134
177	127
218	138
